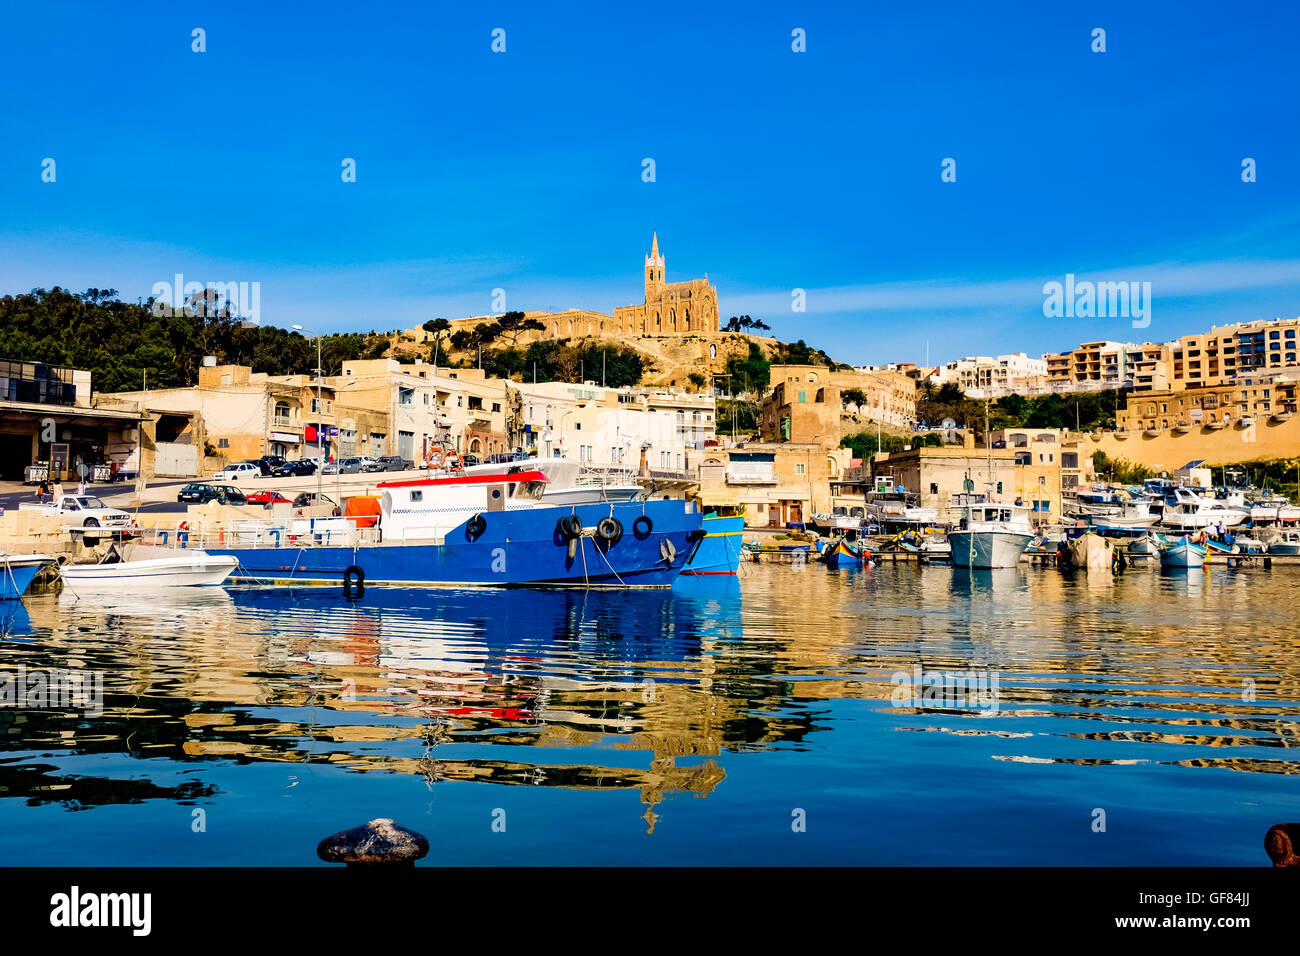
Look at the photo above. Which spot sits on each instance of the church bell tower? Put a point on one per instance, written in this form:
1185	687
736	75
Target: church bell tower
654	271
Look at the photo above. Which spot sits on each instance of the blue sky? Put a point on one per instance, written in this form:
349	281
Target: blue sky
775	170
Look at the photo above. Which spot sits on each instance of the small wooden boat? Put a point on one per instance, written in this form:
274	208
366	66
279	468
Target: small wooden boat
137	567
17	572
1184	554
1147	546
844	555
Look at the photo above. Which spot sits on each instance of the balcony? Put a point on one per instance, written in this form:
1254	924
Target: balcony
747	477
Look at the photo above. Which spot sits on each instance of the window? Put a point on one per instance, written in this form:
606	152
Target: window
223	442
417	496
799	468
803	396
934	488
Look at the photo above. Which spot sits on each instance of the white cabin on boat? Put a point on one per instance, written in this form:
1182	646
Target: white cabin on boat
427	508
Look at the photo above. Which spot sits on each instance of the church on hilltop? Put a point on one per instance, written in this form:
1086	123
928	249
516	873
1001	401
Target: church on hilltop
669	309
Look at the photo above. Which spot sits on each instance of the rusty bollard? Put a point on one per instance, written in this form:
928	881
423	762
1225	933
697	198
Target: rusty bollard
377	843
1280	844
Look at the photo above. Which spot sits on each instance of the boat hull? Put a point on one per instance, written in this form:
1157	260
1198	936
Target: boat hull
522	547
1183	555
844	555
202	571
987	549
719	550
17	574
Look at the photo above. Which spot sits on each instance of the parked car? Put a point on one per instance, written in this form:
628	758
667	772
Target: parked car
311	505
393	463
470	460
297	469
368	463
343	466
239	471
201	492
272	462
87	512
267	498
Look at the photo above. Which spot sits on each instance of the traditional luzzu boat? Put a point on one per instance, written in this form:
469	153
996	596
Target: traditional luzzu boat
1184	553
469	530
719	549
843	554
17	572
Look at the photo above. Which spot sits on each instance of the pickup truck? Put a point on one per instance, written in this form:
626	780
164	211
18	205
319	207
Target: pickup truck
84	512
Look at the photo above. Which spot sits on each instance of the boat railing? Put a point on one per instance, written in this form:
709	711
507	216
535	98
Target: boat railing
219	534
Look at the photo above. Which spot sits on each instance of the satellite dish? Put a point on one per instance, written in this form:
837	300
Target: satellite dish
948	424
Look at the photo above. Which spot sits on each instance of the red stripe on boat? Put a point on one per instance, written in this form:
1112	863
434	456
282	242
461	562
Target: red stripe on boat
465	480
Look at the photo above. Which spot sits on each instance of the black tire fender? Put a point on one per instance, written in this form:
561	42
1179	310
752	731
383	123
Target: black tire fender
642	526
353	576
476	526
570	526
610	529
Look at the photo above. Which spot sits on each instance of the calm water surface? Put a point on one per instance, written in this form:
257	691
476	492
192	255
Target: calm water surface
699	725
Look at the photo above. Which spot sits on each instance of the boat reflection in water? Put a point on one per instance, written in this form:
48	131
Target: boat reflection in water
589	718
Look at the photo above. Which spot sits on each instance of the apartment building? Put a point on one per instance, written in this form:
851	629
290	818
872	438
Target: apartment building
1093	366
777	484
1245	397
984	376
651	430
1048	461
889	394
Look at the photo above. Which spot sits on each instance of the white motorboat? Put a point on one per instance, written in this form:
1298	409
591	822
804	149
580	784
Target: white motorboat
935	548
991	536
835	522
1266	509
140	567
891	507
1185	510
1286	543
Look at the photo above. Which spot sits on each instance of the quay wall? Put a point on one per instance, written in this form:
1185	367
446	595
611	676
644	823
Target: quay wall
1167	451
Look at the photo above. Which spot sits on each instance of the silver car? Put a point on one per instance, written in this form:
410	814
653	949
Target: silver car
343	466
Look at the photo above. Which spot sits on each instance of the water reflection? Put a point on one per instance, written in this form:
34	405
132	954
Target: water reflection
659	694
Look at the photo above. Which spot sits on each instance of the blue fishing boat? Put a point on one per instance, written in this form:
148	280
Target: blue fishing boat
719	549
845	555
481	530
17	572
1183	554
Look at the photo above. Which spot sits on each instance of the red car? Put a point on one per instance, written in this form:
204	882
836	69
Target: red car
268	498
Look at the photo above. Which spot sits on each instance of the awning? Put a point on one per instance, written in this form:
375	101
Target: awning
714	499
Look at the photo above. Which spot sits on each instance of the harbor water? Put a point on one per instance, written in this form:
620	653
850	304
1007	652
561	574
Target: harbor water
777	718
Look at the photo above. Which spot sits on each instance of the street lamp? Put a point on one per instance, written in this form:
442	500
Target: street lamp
563	416
320	405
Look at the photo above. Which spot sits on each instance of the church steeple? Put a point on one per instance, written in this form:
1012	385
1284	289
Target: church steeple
654	270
